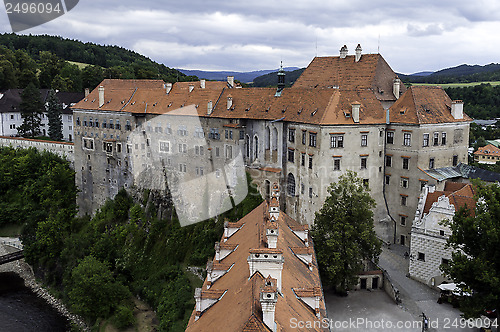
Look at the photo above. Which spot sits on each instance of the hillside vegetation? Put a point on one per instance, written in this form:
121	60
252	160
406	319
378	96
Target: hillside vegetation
97	265
480	101
459	74
271	79
71	65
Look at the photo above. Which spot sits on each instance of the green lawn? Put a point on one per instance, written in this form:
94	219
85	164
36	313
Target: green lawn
455	85
79	64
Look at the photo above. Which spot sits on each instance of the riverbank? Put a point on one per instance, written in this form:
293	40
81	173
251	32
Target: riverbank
23	270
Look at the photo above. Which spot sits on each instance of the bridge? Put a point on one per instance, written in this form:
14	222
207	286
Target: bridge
14	256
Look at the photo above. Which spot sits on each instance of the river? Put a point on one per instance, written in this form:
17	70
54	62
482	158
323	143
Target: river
22	311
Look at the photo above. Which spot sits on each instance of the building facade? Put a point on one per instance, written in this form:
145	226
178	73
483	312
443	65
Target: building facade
348	112
430	232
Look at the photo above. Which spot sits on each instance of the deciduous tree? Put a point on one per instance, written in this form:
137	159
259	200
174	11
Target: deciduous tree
475	265
343	232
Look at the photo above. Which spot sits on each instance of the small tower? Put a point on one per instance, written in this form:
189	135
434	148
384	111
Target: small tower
268	299
281	80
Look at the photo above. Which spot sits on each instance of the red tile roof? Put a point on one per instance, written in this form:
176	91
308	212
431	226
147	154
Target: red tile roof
459	195
239	309
424	105
488	150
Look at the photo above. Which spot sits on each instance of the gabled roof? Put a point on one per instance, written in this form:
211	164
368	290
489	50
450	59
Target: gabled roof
462	194
488	150
424	105
370	72
11	99
239	309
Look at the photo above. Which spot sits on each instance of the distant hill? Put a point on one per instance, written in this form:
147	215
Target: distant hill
271	79
459	74
93	63
244	77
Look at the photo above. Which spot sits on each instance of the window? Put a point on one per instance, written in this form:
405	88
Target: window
128	126
12	116
182	148
108	147
229	152
422	184
390	137
96	123
118	147
310	162
202	150
436	139
310	192
364	139
226	134
88	143
402	220
336	141
445	261
291	155
426	140
407	139
182	168
336	164
302	188
118	126
431	163
404	182
85	122
303	159
455	160
104	124
421	256
312	139
388	161
291	135
387	179
403	200
214	133
230	134
77	120
111	125
363	162
441	232
168	130
129	148
12	126
182	131
291	184
164	146
242	134
304	137
406	163
217	152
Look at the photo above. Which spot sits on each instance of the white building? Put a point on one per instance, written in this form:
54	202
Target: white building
429	234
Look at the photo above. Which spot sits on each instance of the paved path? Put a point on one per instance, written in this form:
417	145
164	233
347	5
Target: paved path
417	297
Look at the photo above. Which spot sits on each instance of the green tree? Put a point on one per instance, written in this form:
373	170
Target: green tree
50	66
475	264
31	111
93	292
343	232
54	110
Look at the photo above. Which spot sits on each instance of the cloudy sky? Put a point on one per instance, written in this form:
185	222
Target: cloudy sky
250	35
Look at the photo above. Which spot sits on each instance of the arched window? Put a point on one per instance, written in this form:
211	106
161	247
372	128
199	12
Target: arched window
268	138
268	189
291	184
275	139
247	146
256	147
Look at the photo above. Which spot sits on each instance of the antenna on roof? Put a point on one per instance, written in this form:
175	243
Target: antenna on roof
316	47
378	46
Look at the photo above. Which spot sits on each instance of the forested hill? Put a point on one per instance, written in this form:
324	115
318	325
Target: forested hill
271	79
44	60
459	74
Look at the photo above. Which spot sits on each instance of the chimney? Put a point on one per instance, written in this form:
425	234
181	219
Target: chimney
396	87
191	88
197	298
358	53
275	191
387	116
274	209
168	87
272	234
87	92
343	52
209	107
267	261
355	111
457	109
229	102
202	84
101	96
268	298
230	81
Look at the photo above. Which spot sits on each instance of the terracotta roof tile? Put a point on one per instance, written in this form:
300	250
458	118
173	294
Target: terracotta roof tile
459	195
424	105
488	150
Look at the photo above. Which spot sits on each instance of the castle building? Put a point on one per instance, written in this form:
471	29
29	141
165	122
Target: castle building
264	277
347	112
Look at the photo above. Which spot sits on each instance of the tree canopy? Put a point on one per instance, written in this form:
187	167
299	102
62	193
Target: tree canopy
31	111
343	232
54	110
475	264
